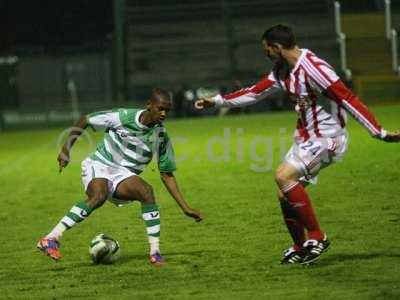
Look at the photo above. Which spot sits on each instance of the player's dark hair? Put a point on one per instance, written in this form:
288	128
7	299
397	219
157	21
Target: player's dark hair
281	34
158	94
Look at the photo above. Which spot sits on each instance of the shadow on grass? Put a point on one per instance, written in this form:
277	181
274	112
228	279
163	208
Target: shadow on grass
333	258
189	253
184	257
168	255
125	258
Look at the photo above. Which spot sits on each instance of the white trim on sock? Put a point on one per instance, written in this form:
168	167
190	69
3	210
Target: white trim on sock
67	220
153	229
57	231
153	215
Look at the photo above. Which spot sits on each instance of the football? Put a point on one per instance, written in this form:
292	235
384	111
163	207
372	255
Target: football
104	249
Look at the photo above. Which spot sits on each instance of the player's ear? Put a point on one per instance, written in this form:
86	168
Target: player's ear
277	46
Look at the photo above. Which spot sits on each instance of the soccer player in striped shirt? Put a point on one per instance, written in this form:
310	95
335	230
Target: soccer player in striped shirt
132	137
320	137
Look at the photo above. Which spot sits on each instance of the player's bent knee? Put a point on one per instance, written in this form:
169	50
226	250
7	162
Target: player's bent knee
281	196
147	194
285	175
97	200
280	177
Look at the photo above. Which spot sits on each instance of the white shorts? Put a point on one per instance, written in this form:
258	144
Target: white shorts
95	169
315	154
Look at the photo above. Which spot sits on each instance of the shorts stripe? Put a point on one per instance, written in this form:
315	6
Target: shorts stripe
314	162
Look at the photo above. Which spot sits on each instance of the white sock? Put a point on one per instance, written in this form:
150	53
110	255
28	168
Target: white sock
154	245
57	231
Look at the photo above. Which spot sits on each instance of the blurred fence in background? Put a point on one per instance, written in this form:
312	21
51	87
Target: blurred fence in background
189	47
43	90
395	5
216	44
395	25
46	81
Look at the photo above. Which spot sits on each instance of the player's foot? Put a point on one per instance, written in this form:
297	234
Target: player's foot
292	256
50	248
314	249
157	260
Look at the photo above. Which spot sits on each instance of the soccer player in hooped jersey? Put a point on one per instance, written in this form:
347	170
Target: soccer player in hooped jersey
320	137
132	137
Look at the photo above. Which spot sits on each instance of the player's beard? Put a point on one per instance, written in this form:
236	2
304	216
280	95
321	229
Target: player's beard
272	58
275	58
282	68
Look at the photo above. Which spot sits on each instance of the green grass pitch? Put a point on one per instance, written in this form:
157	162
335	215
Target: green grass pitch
234	253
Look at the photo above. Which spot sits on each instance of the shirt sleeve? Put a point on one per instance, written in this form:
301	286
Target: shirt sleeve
166	155
104	119
345	97
323	77
249	95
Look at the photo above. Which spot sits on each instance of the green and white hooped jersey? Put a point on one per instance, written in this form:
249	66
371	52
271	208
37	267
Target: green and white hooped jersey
130	144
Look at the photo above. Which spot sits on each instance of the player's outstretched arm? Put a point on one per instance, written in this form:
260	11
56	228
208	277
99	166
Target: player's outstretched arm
242	97
353	104
203	103
171	184
64	155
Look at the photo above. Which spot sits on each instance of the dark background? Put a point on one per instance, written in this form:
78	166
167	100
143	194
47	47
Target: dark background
49	26
62	56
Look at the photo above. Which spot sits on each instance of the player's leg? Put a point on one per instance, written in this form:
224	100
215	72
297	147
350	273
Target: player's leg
97	194
135	188
287	178
293	224
293	254
303	162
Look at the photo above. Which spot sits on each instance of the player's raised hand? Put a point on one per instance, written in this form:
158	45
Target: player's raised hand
204	102
194	213
392	137
63	159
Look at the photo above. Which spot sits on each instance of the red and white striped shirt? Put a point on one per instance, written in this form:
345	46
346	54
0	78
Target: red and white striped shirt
308	78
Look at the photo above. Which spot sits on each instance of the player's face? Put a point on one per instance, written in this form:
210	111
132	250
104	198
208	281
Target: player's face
271	51
159	110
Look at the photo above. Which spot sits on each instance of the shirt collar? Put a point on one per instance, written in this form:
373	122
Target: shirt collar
140	125
303	53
